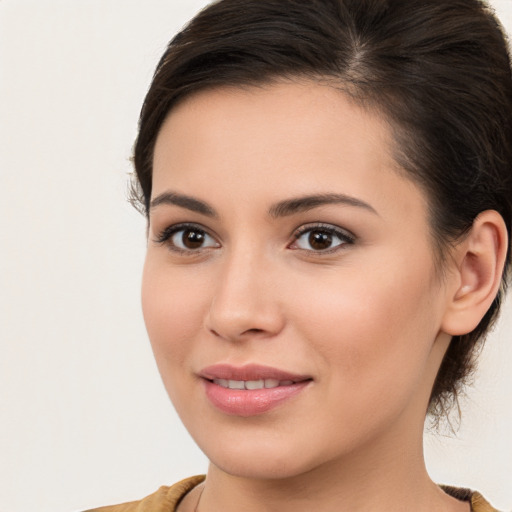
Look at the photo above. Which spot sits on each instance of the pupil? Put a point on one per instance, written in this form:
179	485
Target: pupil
193	239
320	240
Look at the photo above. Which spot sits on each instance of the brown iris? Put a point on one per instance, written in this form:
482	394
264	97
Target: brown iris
192	239
320	240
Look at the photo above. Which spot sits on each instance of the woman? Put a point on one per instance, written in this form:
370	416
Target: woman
328	187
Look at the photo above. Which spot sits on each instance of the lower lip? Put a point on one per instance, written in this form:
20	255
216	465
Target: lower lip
250	402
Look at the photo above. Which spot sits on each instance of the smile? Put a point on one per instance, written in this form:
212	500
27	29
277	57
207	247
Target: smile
250	390
252	384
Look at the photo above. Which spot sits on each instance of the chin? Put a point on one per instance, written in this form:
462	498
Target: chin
263	458
260	468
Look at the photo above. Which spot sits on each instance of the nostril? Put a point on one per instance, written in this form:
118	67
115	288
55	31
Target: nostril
248	331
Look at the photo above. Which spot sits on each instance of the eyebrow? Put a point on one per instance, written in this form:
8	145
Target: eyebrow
305	203
280	209
184	201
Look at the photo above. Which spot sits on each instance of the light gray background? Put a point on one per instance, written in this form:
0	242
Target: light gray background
84	419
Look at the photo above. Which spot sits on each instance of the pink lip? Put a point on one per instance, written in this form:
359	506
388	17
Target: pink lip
250	402
248	372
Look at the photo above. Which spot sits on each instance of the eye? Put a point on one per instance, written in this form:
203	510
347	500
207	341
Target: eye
321	238
186	238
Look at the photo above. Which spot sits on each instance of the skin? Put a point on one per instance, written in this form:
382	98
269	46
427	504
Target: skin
365	318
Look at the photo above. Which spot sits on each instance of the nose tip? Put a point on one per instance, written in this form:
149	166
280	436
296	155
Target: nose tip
235	321
245	305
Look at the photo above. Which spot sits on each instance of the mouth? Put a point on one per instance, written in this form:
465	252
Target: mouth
252	384
250	390
250	376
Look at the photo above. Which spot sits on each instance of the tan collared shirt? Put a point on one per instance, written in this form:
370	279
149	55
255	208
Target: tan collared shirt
166	499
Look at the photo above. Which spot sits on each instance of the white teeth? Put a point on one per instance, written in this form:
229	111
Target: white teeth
252	384
236	384
271	383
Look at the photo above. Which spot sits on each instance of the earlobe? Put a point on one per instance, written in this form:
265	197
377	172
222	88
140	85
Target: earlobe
480	261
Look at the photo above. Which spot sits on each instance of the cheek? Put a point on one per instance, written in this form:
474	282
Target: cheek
373	329
173	306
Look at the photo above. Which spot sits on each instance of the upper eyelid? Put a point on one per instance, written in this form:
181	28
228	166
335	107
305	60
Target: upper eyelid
164	234
345	237
304	228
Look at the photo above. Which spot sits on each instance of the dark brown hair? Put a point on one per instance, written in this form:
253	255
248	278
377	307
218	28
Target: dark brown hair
438	70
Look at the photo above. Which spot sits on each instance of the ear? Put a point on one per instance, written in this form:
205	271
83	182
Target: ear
479	261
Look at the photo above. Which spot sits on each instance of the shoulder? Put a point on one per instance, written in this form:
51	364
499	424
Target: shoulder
164	500
167	498
478	502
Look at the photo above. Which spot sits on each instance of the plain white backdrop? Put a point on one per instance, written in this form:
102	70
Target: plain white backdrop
84	419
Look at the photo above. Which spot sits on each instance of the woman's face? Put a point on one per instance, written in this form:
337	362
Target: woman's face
288	257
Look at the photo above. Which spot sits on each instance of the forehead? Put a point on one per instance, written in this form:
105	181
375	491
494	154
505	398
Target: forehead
283	138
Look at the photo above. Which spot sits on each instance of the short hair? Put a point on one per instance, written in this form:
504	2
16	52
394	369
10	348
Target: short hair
437	70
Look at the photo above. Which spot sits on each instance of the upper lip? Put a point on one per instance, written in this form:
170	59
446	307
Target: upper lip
249	372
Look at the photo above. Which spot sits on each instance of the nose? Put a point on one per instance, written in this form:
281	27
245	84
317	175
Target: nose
245	302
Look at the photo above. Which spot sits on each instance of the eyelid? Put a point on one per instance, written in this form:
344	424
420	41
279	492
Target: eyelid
342	234
164	236
345	237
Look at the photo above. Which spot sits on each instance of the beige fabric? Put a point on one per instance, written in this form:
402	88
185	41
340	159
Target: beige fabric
166	499
478	504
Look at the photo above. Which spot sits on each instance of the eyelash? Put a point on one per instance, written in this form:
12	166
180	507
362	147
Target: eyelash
345	238
165	236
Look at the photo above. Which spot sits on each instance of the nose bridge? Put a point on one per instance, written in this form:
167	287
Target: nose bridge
244	301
